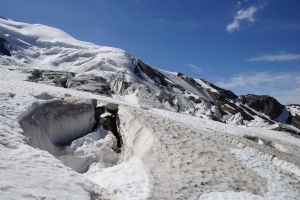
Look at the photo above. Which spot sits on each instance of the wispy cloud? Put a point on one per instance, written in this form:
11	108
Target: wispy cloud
187	24
276	58
284	86
242	15
195	68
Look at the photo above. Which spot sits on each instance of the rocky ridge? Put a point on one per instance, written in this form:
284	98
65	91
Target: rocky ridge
130	130
63	61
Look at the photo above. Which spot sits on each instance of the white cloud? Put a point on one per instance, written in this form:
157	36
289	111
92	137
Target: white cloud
276	58
242	15
281	85
195	68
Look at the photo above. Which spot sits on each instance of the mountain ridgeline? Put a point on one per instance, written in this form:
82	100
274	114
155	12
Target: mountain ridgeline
53	57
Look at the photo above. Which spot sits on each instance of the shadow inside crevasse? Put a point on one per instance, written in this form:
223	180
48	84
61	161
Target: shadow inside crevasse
76	131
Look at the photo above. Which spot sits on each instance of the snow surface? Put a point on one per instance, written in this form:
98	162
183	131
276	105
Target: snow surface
165	154
295	110
199	123
229	106
146	171
203	84
60	51
279	186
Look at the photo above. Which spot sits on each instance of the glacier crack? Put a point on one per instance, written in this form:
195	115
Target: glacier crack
76	131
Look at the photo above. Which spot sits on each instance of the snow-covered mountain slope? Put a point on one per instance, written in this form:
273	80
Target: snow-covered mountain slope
111	71
35	45
80	121
163	154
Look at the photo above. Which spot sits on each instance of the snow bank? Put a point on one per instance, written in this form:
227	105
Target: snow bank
137	138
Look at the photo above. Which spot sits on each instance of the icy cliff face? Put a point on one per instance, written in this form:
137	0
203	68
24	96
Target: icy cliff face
56	123
138	139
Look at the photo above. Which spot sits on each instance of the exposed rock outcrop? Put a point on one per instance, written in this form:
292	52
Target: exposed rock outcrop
55	78
3	50
294	117
88	83
266	104
150	72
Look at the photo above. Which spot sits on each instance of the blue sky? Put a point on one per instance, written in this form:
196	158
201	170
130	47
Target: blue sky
247	46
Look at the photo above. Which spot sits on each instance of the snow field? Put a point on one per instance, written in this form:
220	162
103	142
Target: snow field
28	173
190	158
186	163
279	185
212	126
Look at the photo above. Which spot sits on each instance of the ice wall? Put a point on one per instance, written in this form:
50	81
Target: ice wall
137	139
56	123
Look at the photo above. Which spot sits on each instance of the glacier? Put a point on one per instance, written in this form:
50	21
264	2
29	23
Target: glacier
80	121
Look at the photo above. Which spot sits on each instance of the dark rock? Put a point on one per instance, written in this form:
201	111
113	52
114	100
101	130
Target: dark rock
3	50
99	111
294	120
192	98
112	108
266	104
223	93
150	72
3	18
110	123
223	97
56	78
88	83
